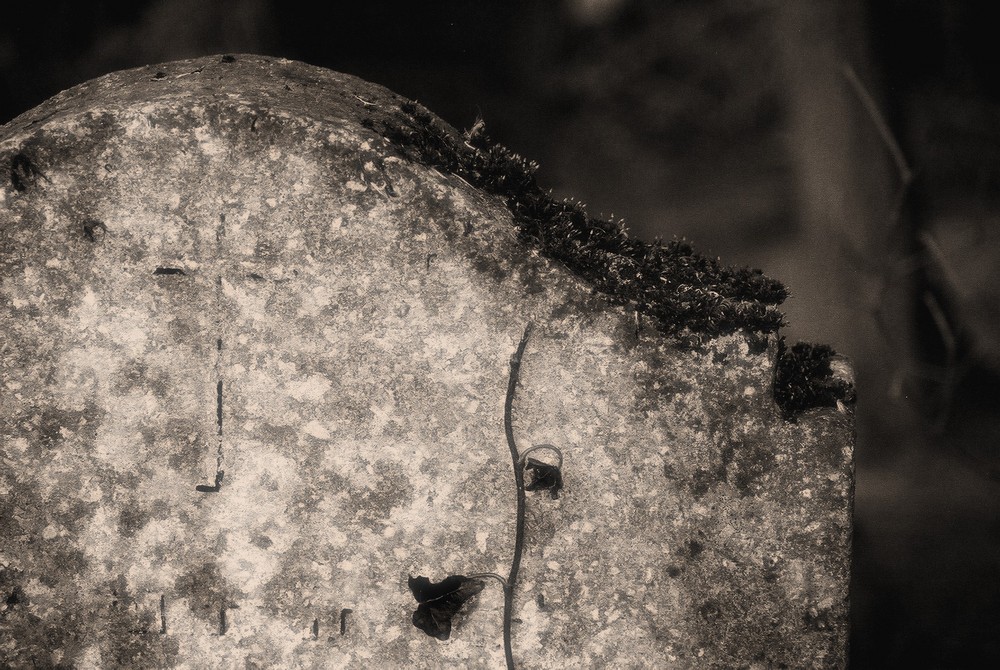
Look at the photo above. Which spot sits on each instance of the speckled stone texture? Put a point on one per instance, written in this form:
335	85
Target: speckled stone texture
254	364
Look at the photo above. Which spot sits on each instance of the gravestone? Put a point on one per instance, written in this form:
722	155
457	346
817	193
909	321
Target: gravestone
296	375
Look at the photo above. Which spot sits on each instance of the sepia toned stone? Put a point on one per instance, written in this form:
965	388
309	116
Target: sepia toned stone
275	343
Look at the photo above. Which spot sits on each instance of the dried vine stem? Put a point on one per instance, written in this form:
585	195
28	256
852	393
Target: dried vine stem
542	447
489	575
881	126
515	457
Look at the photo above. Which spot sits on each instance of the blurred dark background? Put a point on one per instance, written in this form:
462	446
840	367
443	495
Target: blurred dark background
850	148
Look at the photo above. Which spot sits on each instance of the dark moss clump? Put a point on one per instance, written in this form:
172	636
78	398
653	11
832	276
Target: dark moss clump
686	295
804	379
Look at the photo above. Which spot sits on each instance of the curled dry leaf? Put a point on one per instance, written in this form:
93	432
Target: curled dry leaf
544	477
439	602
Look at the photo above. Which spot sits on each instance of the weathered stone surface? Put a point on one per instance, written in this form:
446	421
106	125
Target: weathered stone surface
255	366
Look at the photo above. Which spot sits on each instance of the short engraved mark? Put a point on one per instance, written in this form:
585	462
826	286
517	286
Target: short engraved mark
343	619
205	488
218	399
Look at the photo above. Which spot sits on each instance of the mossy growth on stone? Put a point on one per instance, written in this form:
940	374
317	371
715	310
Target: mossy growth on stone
804	378
688	295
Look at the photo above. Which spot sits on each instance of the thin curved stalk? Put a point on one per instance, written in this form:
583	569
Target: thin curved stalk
515	565
491	575
541	447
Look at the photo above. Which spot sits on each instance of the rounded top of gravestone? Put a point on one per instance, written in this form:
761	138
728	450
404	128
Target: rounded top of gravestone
682	293
291	370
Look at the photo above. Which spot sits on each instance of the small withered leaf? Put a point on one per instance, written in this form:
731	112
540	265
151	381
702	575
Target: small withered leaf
544	477
439	602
